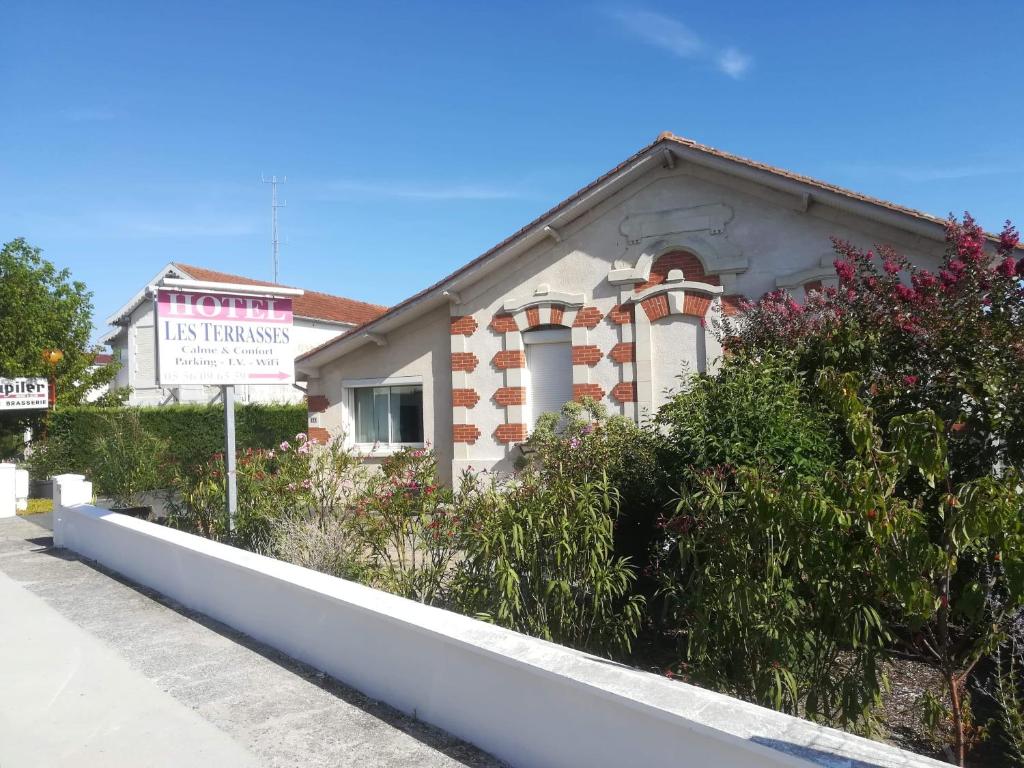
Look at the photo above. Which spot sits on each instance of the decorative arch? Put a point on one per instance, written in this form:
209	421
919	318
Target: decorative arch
544	308
715	255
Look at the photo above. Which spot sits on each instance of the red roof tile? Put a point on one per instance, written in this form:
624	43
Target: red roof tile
312	304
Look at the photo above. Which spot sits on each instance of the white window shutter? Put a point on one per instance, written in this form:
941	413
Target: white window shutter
549	367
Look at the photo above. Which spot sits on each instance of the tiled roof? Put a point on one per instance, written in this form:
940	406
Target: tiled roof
102	359
312	304
669	136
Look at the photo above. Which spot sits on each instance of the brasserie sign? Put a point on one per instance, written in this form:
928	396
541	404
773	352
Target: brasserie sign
221	339
23	393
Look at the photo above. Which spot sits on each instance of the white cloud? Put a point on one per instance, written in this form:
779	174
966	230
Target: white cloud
673	36
734	62
662	31
418	190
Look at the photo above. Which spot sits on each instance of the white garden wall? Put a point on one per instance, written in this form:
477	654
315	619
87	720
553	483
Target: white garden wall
526	701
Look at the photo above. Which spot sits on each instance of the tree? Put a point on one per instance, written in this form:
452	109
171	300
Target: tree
42	307
943	350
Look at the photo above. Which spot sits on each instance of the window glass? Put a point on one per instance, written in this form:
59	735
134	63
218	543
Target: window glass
406	414
372	415
389	414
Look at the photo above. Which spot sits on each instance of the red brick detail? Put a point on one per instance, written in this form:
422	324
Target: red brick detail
622	314
587	317
656	307
321	435
733	304
466	398
812	285
586	355
625	391
510	433
623	352
317	403
557	311
463	325
503	323
579	391
689	264
696	304
510	396
464	361
533	317
465	433
509	358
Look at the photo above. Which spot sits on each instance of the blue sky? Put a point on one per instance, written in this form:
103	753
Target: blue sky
416	135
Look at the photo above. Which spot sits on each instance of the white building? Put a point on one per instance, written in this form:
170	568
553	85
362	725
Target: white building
612	294
319	317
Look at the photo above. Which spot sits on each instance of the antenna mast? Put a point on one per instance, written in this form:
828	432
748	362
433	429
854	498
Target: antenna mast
273	181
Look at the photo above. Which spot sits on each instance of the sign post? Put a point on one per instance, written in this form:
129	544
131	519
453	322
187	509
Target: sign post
230	475
224	334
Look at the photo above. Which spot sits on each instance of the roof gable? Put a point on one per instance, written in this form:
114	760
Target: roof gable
666	150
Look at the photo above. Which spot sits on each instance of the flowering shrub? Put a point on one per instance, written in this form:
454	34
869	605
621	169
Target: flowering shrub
272	483
940	348
408	526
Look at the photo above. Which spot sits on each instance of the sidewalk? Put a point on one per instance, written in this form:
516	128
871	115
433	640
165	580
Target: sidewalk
94	672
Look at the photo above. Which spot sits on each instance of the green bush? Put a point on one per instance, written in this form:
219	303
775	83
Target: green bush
193	432
584	444
539	553
129	461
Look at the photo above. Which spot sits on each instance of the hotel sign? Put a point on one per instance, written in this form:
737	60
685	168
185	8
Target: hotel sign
22	394
221	339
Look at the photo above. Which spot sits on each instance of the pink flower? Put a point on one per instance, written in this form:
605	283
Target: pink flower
301	437
890	267
957	266
909	380
904	293
923	279
1008	239
844	269
285	445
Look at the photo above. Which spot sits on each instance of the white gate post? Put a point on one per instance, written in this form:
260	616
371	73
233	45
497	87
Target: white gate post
68	491
8	506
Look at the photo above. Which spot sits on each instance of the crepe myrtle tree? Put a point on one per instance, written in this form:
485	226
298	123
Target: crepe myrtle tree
944	346
41	307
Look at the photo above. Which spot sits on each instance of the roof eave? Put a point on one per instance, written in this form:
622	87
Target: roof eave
479	267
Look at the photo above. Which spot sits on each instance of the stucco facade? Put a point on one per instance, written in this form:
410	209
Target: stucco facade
637	275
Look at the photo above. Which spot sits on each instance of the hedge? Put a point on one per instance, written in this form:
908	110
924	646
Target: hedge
194	432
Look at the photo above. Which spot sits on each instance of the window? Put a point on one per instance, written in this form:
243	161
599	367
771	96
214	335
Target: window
389	415
549	372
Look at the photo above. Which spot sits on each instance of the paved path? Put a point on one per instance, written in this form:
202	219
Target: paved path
96	672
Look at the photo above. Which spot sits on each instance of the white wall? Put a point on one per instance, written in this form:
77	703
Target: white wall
420	349
528	702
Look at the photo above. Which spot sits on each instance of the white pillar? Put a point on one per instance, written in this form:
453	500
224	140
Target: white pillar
68	491
21	489
8	506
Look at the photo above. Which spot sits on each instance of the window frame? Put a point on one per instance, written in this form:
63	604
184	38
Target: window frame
351	386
